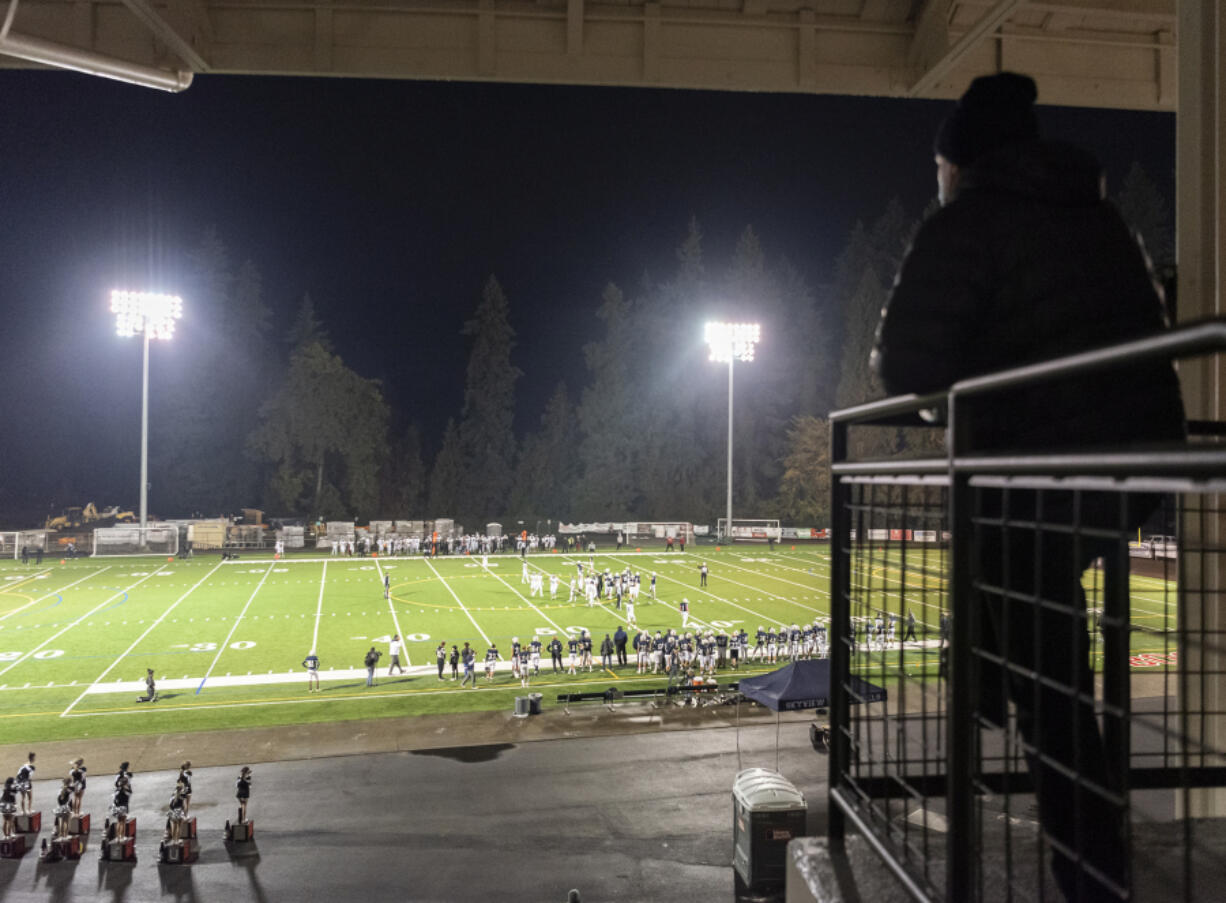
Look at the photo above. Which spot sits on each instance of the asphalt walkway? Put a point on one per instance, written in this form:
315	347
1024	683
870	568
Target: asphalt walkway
628	804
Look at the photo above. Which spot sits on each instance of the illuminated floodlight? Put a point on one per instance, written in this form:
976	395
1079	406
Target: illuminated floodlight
152	316
732	341
145	313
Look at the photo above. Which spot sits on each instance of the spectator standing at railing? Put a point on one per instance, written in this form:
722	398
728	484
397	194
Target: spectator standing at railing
1026	261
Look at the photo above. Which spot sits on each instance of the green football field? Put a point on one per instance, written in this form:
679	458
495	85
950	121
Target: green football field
226	639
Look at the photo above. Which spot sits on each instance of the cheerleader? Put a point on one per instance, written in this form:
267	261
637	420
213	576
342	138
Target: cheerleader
177	814
8	804
243	792
76	777
185	784
119	803
63	808
25	784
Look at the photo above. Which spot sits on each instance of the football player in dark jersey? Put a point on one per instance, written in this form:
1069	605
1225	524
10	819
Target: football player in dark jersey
524	653
572	647
586	642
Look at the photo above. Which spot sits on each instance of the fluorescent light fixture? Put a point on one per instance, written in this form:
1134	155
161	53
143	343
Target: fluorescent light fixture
145	313
732	341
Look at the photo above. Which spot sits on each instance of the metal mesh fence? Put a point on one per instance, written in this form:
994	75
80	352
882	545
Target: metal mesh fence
1055	723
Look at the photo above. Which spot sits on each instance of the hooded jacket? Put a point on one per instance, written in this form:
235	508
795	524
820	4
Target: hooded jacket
1028	263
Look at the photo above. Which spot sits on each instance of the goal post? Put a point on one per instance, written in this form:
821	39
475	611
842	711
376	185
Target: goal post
750	529
155	539
10	545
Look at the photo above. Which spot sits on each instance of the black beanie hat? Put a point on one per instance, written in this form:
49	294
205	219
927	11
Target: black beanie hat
995	110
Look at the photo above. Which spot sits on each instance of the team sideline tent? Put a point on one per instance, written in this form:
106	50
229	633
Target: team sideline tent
801	685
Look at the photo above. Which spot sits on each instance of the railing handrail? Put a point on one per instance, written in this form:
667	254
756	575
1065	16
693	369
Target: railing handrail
1170	344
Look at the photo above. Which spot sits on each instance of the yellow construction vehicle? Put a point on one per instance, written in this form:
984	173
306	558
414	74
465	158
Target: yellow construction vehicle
68	519
72	518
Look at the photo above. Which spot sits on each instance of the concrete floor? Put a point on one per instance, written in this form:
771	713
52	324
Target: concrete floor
632	805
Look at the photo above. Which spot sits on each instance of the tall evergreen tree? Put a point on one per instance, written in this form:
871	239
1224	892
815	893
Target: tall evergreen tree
545	472
487	438
447	475
324	432
403	477
610	434
204	404
307	328
804	491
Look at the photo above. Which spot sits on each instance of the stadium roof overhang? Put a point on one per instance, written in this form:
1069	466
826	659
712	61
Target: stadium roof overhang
1105	53
1125	54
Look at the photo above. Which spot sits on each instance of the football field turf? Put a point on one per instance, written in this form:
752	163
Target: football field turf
226	639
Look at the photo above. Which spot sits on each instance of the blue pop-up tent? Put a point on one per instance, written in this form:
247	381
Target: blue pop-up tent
803	685
800	685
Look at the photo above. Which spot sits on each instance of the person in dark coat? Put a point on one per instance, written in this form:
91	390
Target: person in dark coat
1026	261
606	652
619	641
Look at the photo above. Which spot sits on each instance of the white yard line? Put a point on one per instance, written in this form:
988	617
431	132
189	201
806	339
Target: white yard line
816	611
772	577
559	627
404	646
319	609
447	586
59	633
761	617
54	592
148	630
225	644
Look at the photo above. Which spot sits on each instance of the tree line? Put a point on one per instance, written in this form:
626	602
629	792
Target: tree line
279	419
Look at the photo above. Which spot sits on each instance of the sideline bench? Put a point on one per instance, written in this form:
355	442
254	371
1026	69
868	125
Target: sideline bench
612	695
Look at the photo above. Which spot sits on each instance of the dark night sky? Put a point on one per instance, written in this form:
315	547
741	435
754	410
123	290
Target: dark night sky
391	202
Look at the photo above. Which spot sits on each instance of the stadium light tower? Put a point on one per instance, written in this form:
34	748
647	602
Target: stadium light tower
731	342
153	316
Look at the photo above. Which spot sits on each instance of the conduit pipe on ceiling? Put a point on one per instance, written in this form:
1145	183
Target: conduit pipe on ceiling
62	56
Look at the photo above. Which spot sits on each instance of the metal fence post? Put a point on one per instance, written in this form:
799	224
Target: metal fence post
961	730
840	613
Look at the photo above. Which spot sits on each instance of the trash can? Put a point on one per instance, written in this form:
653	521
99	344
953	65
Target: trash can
534	703
522	706
767	812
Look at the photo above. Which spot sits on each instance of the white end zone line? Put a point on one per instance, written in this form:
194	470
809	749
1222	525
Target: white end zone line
447	586
54	592
404	647
59	633
319	609
148	630
226	642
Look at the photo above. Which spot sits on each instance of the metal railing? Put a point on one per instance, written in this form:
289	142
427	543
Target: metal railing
1009	571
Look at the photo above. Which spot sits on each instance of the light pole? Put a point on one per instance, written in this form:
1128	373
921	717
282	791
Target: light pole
153	316
731	342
